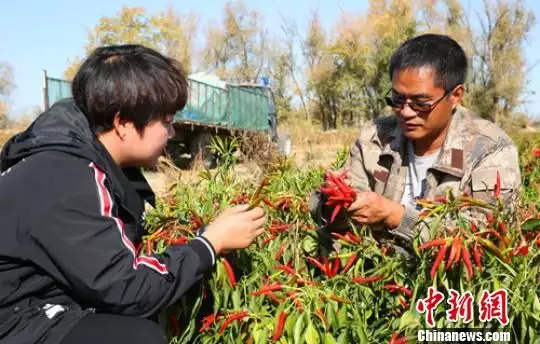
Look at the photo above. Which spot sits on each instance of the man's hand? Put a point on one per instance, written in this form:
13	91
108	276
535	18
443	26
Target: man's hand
370	207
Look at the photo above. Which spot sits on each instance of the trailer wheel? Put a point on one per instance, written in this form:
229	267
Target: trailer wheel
199	146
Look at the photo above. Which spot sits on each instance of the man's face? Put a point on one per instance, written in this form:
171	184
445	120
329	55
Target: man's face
417	86
146	148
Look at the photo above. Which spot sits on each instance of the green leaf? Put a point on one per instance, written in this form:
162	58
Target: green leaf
290	324
261	335
329	339
299	329
236	299
343	337
312	335
531	225
342	317
408	320
331	316
536	303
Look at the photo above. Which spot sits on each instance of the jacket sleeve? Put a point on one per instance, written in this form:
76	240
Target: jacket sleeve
481	186
83	246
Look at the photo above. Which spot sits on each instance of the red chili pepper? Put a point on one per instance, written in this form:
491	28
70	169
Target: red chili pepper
275	287
340	236
271	296
287	269
497	191
305	281
335	213
174	323
335	267
341	198
179	241
240	199
231	318
394	287
279	252
208	321
230	272
473	227
279	228
354	238
268	202
432	243
320	314
440	199
362	279
281	323
267	240
453	252
350	262
292	295
494	232
339	299
149	248
521	249
403	302
502	227
438	261
196	219
317	264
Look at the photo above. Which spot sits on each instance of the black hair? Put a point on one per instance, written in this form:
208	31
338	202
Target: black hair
439	52
136	81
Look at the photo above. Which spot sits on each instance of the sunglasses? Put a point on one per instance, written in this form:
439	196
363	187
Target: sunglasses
399	102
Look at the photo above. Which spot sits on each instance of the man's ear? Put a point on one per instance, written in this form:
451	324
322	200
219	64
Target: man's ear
457	96
119	126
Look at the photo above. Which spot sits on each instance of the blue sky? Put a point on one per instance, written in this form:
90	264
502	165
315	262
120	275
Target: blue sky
37	34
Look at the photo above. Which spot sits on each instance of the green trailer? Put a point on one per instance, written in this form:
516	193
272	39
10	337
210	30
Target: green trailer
214	108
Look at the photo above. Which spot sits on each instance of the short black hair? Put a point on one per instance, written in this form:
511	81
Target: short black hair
136	81
440	52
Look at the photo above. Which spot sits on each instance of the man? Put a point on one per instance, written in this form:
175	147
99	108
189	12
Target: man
431	144
72	210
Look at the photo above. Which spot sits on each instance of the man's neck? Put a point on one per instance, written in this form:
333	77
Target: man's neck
108	141
428	145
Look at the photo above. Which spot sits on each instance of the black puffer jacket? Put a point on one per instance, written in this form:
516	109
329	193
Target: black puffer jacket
70	221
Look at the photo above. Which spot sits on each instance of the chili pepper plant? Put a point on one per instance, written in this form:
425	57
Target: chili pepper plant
287	288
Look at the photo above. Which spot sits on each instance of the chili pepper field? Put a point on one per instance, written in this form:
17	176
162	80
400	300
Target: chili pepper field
289	287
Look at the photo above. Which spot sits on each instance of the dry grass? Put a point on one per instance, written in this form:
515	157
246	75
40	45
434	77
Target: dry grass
304	133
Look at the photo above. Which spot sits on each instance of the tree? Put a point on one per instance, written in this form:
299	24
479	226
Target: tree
235	50
499	67
168	32
6	87
348	73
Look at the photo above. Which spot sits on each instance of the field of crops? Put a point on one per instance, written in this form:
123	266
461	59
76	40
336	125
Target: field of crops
294	286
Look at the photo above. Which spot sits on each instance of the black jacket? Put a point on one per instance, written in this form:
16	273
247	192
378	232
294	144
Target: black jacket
70	221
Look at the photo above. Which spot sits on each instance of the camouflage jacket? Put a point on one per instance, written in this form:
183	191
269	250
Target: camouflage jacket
473	151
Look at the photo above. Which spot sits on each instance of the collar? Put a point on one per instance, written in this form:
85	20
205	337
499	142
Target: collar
451	157
129	184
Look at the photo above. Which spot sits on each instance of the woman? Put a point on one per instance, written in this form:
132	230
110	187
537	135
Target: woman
72	209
